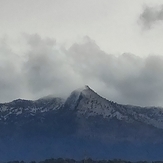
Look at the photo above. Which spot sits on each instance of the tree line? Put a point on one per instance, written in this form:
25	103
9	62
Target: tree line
88	160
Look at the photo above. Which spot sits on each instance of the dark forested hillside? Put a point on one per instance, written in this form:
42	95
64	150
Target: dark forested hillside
88	160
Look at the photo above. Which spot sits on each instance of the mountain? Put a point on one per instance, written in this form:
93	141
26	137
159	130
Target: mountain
83	125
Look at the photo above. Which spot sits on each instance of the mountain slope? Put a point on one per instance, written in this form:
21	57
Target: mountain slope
84	124
89	103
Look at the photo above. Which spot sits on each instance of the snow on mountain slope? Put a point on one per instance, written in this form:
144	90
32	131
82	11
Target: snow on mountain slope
19	107
149	115
85	102
88	103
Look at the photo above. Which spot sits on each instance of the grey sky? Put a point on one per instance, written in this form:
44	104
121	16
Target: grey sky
56	46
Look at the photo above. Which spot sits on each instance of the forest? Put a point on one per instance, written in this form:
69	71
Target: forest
88	160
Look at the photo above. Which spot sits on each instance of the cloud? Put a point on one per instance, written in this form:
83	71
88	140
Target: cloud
10	76
49	68
142	84
126	78
151	16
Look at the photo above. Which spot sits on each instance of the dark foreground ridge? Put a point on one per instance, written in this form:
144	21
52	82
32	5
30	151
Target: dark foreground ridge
85	124
88	160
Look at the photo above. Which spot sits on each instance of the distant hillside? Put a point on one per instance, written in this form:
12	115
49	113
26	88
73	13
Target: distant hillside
85	124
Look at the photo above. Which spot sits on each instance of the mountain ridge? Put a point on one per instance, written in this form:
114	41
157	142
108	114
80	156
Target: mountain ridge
85	121
92	105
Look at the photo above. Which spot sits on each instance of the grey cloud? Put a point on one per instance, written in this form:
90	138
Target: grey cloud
151	16
49	68
36	41
146	87
127	79
10	77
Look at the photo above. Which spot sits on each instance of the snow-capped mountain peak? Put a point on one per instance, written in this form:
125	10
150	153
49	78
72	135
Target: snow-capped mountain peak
85	102
88	103
78	95
86	87
86	90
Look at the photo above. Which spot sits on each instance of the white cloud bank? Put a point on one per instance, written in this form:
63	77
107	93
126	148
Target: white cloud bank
48	68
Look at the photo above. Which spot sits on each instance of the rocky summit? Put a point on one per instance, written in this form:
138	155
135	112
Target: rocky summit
83	125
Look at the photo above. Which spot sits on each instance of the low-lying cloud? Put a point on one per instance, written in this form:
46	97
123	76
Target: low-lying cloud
151	16
48	68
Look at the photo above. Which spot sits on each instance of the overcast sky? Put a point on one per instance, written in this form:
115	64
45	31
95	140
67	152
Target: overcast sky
56	46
